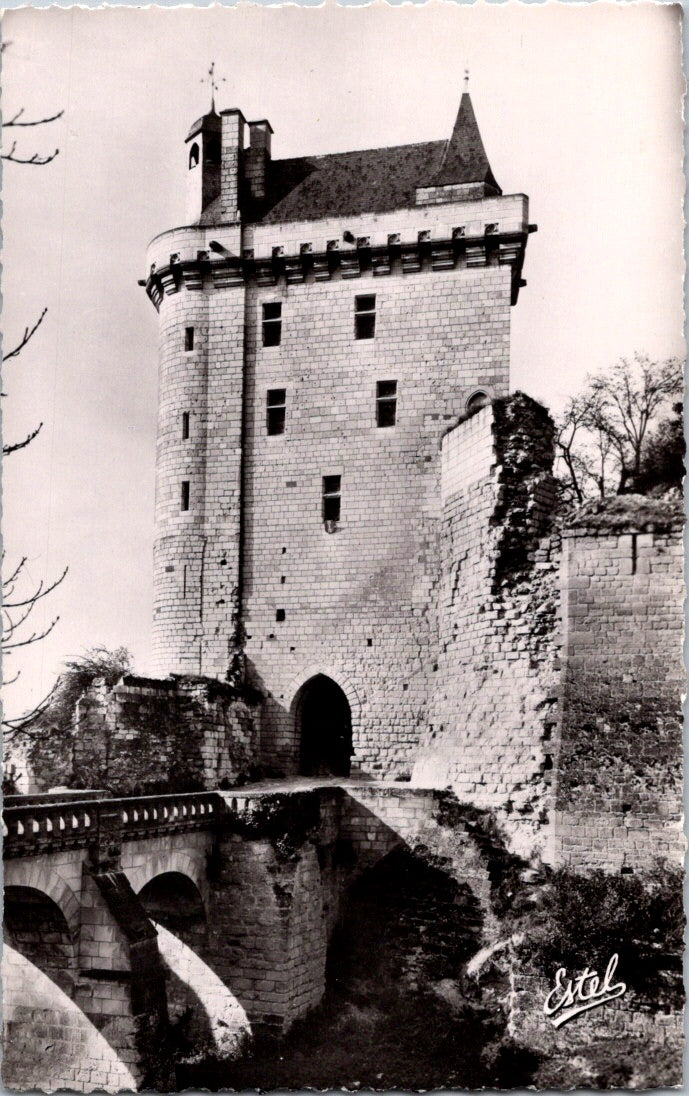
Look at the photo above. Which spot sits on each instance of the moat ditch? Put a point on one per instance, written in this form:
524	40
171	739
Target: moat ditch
397	1011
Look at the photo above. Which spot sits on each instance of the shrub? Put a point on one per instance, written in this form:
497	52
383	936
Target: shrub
585	919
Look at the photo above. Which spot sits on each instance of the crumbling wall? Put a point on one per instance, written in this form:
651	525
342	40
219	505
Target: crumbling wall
619	797
495	709
181	734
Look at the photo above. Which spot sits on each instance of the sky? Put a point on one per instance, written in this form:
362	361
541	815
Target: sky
579	107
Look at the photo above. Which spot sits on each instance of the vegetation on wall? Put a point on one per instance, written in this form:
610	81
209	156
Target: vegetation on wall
582	920
48	738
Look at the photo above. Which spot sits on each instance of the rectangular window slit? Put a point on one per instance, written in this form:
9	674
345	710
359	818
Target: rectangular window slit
185	425
633	553
365	316
185	494
331	498
188	338
272	323
276	405
386	403
184	581
279	615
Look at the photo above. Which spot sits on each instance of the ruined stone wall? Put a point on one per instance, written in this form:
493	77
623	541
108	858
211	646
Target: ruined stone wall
490	734
146	736
619	796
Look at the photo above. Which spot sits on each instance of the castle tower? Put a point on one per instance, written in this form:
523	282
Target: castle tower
346	310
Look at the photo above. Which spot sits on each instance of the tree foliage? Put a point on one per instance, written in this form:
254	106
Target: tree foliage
662	465
605	431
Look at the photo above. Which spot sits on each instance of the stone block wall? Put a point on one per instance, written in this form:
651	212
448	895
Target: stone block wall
490	732
196	550
146	736
619	771
357	603
48	1041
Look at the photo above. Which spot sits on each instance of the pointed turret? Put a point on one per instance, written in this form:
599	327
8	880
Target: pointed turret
464	161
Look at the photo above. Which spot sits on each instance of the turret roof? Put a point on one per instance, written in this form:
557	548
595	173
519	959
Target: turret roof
208	121
465	159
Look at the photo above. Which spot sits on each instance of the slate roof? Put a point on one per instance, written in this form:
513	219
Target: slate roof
369	181
465	160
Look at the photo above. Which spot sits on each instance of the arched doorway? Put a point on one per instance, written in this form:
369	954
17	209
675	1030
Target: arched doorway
324	725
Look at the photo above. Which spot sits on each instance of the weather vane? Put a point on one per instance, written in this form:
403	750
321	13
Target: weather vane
466	79
213	80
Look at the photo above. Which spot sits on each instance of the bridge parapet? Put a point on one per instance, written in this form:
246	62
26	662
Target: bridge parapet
35	828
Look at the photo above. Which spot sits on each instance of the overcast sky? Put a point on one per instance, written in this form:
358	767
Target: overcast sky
579	107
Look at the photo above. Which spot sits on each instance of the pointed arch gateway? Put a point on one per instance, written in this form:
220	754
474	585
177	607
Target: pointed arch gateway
324	727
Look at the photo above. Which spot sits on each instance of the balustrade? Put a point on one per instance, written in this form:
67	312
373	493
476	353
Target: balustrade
33	828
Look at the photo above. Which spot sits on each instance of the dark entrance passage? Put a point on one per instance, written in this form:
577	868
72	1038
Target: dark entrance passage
325	727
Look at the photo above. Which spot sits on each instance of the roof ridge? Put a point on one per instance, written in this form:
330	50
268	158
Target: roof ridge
352	151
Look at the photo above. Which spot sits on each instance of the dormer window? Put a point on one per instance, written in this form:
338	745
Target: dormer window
194	155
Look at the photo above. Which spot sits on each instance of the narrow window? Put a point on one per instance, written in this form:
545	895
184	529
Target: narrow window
365	316
275	411
331	498
188	338
185	425
185	494
193	155
386	403
272	323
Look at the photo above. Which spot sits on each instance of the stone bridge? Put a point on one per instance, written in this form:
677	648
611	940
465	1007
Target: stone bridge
195	920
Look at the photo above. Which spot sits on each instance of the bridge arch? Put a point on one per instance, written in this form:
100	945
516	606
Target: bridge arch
173	900
35	926
170	860
44	878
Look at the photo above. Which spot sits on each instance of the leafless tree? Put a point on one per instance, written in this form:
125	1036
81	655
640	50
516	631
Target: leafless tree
35	159
603	430
20	595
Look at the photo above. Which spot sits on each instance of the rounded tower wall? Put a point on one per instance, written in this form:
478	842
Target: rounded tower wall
197	489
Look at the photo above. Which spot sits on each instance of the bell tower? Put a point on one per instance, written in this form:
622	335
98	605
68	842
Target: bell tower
203	145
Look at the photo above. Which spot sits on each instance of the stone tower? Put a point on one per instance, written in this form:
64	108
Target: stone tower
323	322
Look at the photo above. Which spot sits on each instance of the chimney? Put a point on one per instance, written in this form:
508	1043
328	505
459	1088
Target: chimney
257	158
232	148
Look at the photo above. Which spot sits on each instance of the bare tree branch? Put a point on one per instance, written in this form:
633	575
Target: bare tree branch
7	449
35	637
38	122
40	592
36	160
21	725
28	334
